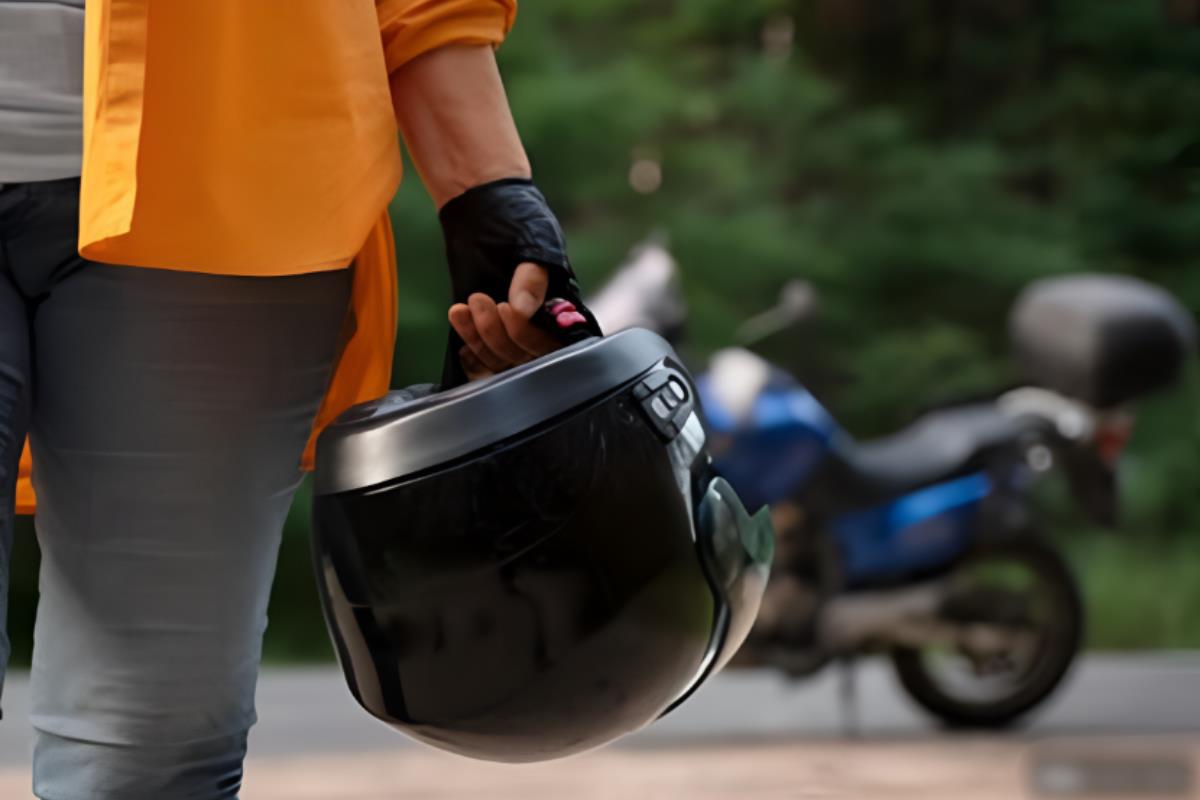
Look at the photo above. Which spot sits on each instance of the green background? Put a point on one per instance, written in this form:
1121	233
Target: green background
920	162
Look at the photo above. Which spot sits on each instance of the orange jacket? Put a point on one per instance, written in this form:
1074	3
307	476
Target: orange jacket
258	138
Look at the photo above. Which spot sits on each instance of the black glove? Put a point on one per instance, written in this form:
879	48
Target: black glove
492	229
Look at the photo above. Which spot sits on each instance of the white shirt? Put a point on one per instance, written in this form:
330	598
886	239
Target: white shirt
41	89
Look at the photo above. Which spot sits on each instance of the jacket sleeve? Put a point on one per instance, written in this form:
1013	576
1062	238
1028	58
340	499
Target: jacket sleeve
411	28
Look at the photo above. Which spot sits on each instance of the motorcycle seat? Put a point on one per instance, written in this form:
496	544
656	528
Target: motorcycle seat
938	447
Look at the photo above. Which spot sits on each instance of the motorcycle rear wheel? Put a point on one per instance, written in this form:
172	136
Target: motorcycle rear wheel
1057	638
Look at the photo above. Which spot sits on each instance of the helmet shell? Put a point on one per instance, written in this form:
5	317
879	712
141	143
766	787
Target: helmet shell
538	595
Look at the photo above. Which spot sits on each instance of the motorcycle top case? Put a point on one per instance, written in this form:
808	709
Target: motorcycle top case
1102	339
509	567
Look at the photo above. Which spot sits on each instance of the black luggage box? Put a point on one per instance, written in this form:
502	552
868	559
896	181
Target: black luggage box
1101	339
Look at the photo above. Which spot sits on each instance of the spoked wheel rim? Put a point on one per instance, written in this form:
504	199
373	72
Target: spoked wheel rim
1006	620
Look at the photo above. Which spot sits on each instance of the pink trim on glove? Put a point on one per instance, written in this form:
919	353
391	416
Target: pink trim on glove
564	313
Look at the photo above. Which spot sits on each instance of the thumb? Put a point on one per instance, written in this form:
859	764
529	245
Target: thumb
527	292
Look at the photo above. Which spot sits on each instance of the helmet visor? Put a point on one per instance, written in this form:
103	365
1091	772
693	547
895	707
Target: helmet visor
738	548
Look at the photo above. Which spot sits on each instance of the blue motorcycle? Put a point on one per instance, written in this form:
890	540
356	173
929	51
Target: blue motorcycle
926	545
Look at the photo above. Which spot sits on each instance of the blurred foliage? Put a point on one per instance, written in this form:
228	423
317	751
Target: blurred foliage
1139	592
919	161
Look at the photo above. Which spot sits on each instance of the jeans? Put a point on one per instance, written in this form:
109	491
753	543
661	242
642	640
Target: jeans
167	413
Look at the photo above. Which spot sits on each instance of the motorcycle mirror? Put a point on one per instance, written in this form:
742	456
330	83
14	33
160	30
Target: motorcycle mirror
797	303
644	292
798	299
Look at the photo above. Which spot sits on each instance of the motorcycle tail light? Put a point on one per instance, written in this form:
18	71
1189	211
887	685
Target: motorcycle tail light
1112	435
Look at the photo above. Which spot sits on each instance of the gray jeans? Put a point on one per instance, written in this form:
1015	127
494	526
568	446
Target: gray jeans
167	413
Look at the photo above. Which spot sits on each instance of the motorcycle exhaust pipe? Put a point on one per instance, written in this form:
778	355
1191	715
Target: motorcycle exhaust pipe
906	616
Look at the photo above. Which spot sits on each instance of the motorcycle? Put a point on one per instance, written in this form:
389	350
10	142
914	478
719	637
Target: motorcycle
926	545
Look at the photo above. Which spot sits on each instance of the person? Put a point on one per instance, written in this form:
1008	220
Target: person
196	274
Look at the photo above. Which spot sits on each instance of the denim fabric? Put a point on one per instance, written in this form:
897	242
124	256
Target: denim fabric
168	412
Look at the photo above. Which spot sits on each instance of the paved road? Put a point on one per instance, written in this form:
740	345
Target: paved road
748	734
308	711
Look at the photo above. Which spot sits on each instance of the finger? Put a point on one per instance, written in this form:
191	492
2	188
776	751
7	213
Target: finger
527	291
472	366
530	338
492	331
463	322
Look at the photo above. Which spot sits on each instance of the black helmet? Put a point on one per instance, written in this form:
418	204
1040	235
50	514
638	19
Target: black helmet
534	564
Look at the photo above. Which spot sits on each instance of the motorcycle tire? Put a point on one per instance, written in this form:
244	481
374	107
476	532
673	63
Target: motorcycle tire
1057	649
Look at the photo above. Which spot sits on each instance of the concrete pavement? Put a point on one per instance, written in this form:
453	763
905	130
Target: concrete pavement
1106	694
748	734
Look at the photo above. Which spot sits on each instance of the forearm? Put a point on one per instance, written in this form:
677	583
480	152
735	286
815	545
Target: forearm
455	119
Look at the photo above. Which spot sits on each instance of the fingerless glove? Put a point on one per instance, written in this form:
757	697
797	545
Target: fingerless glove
489	231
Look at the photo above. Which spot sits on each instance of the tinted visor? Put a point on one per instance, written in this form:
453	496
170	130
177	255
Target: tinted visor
737	549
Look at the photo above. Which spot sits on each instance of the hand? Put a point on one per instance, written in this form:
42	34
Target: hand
499	336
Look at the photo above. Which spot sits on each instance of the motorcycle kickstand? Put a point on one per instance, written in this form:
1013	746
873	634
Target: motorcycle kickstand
848	694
